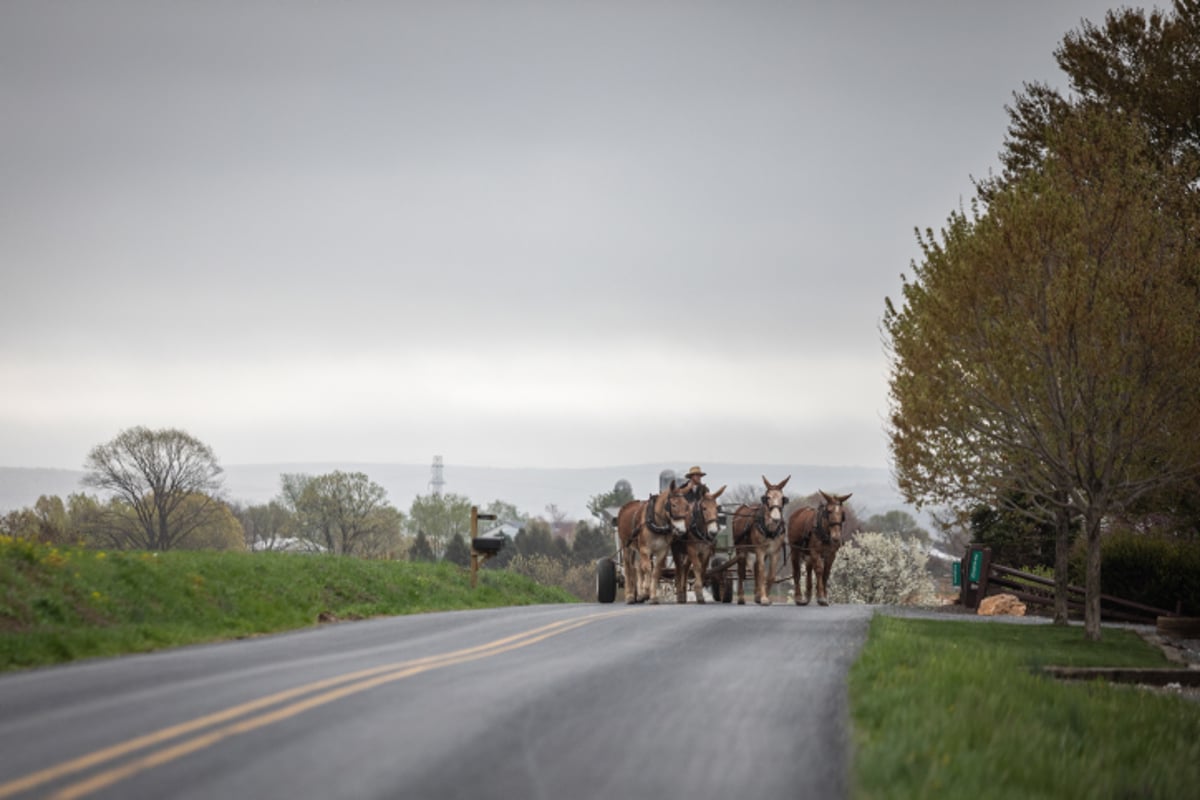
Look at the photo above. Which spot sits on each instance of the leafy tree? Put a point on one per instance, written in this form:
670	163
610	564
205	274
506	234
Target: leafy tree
457	551
223	531
266	526
899	523
440	516
421	549
1018	539
344	513
47	522
504	512
600	504
167	479
1144	65
592	542
1046	347
535	539
746	494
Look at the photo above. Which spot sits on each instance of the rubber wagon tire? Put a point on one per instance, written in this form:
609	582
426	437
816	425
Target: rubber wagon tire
606	581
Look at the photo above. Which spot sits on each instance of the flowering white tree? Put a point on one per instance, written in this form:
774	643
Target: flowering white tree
881	568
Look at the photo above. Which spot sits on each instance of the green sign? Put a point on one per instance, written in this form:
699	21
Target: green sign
956	571
976	565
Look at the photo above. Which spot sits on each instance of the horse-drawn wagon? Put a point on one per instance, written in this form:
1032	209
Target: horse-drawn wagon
667	542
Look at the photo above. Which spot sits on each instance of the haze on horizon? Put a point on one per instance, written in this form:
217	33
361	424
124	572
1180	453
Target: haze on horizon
527	234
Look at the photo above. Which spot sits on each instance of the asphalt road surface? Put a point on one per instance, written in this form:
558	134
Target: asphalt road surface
563	702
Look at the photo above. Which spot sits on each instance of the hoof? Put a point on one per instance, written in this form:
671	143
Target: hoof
801	602
823	602
630	601
653	601
741	601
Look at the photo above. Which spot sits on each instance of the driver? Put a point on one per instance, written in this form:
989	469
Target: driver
695	488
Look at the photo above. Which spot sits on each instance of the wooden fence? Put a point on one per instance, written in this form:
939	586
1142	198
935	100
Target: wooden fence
978	577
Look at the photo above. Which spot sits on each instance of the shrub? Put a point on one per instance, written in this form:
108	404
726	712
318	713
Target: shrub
1154	570
579	580
880	568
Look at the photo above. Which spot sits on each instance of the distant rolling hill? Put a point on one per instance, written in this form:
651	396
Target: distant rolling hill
530	490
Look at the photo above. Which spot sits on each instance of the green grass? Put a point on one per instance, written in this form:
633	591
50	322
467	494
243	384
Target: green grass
63	604
956	709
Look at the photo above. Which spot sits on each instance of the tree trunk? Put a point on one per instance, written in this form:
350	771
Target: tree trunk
1091	618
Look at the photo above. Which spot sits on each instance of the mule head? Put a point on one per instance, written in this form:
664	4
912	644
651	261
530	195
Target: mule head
678	508
774	499
708	514
831	515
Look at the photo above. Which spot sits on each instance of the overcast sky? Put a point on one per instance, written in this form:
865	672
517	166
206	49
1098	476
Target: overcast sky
510	233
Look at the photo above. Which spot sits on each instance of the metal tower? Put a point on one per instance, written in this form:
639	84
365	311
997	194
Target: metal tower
436	481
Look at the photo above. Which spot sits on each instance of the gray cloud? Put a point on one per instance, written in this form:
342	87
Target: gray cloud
243	217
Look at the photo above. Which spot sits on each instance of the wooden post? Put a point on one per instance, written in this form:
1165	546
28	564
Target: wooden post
479	551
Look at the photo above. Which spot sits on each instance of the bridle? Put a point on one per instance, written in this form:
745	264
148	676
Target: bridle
760	517
664	528
698	527
824	526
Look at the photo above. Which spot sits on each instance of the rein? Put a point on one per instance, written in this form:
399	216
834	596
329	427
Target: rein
698	527
822	529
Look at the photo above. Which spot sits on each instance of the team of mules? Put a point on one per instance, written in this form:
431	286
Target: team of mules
670	524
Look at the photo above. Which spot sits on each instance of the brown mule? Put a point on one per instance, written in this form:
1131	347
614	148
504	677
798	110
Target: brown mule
693	551
816	535
760	530
646	529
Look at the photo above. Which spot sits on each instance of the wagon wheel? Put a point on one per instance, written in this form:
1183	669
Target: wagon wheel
606	581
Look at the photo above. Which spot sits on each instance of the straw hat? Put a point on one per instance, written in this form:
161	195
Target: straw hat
695	471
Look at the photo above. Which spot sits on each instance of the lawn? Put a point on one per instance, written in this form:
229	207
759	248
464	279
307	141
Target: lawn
58	604
957	709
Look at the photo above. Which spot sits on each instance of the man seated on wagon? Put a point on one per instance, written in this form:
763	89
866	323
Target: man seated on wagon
695	487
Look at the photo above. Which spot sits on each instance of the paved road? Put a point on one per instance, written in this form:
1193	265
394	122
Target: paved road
546	702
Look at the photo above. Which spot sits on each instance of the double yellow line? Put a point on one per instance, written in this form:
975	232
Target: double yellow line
213	728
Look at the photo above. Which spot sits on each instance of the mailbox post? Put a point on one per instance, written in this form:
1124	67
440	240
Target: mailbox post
481	549
973	575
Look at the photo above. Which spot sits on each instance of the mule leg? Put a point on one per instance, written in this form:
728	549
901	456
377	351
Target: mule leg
741	573
656	574
762	577
822	576
825	581
699	565
797	562
808	580
681	563
631	575
760	569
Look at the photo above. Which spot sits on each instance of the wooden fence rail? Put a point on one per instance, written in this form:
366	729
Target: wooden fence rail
979	575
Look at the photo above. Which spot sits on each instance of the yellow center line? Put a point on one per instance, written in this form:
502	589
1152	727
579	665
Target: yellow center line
381	674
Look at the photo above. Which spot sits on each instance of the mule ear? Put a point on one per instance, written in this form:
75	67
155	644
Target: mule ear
717	493
845	497
672	484
828	499
785	480
766	482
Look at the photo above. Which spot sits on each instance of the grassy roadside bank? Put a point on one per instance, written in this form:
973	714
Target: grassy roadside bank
58	605
953	709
